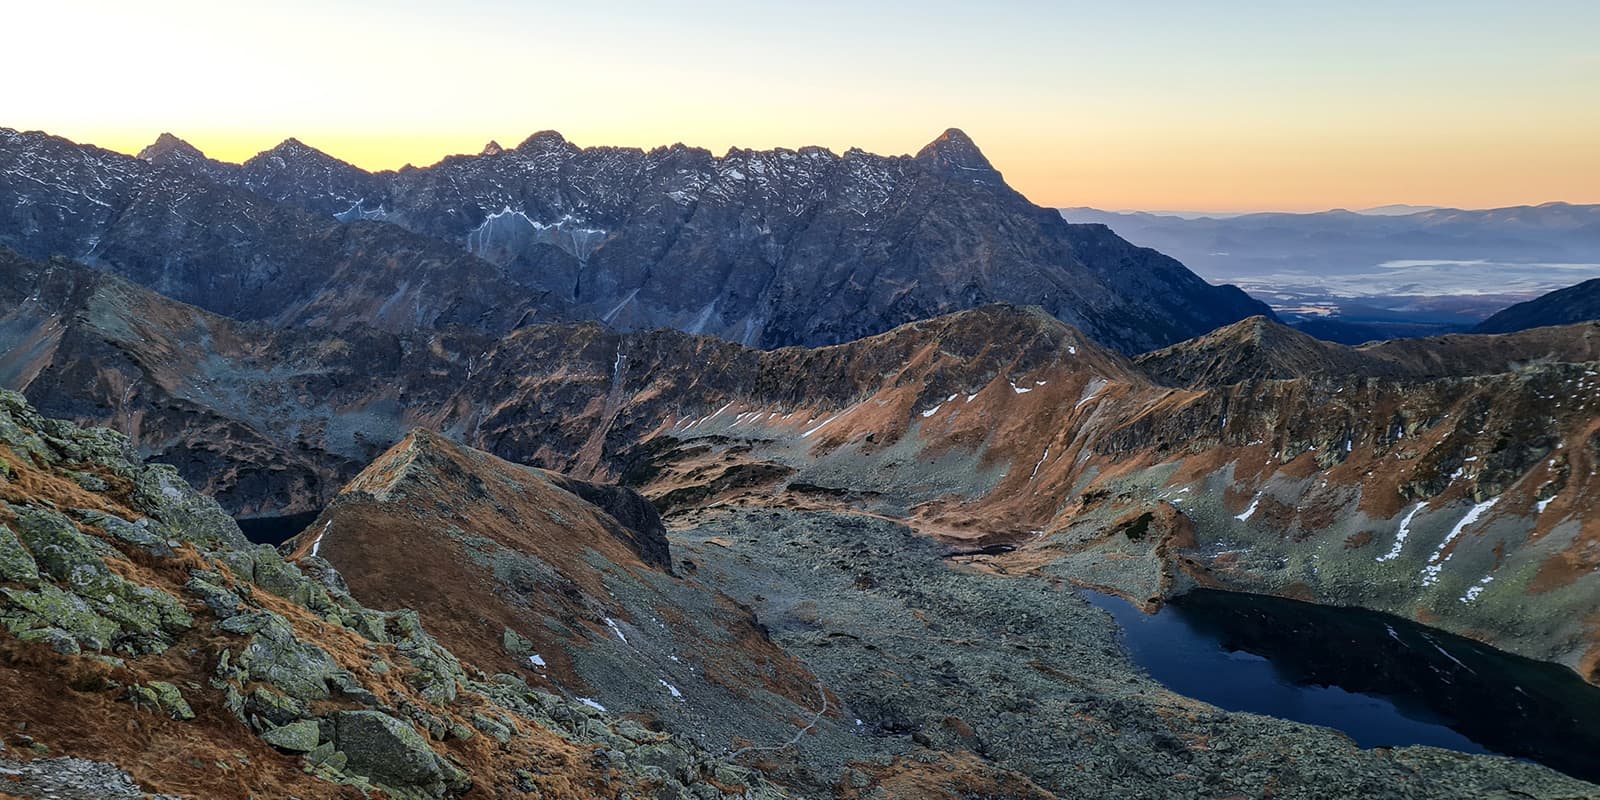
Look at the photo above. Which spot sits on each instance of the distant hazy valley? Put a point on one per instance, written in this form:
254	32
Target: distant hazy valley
1392	271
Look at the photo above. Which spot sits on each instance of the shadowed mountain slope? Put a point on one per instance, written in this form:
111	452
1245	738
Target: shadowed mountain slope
237	253
1577	303
767	248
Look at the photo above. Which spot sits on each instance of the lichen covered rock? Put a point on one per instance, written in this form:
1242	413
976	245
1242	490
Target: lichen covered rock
16	564
301	736
392	753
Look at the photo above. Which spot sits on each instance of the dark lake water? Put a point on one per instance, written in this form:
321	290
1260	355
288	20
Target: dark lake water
275	530
1383	680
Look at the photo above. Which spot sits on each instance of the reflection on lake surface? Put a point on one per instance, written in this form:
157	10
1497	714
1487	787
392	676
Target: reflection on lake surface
275	530
1383	680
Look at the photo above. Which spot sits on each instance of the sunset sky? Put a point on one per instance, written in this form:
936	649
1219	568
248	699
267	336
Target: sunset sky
1200	106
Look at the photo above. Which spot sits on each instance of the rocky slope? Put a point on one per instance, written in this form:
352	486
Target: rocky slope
1578	303
828	694
767	248
153	650
996	428
271	420
147	644
174	229
999	432
526	576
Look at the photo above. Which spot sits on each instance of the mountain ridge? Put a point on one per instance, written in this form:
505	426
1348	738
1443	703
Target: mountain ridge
232	251
764	247
997	426
1577	303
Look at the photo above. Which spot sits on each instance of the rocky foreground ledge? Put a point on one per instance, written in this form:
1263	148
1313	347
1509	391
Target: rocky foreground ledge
148	647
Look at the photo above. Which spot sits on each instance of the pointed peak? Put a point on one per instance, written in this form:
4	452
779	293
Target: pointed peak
544	140
493	148
1257	331
1254	348
292	148
291	153
954	151
422	455
168	146
293	145
954	137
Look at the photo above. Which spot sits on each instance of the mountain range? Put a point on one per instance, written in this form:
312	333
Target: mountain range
617	473
768	248
984	426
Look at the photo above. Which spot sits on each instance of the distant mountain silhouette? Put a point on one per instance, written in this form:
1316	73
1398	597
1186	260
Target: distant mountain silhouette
1579	303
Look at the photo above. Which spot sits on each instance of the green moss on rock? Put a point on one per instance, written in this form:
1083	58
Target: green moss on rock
392	753
170	700
301	736
16	564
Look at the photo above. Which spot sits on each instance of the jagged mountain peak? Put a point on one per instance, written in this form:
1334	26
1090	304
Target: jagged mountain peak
766	237
493	148
291	145
169	146
1252	348
294	151
954	150
681	151
544	141
429	469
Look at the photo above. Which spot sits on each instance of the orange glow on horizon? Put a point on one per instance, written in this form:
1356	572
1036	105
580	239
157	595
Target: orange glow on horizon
1244	177
1220	106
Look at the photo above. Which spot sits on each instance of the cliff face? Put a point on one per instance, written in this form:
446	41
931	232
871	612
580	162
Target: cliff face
237	253
766	248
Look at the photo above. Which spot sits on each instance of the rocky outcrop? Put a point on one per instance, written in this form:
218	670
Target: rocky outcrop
148	648
526	576
645	534
392	753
